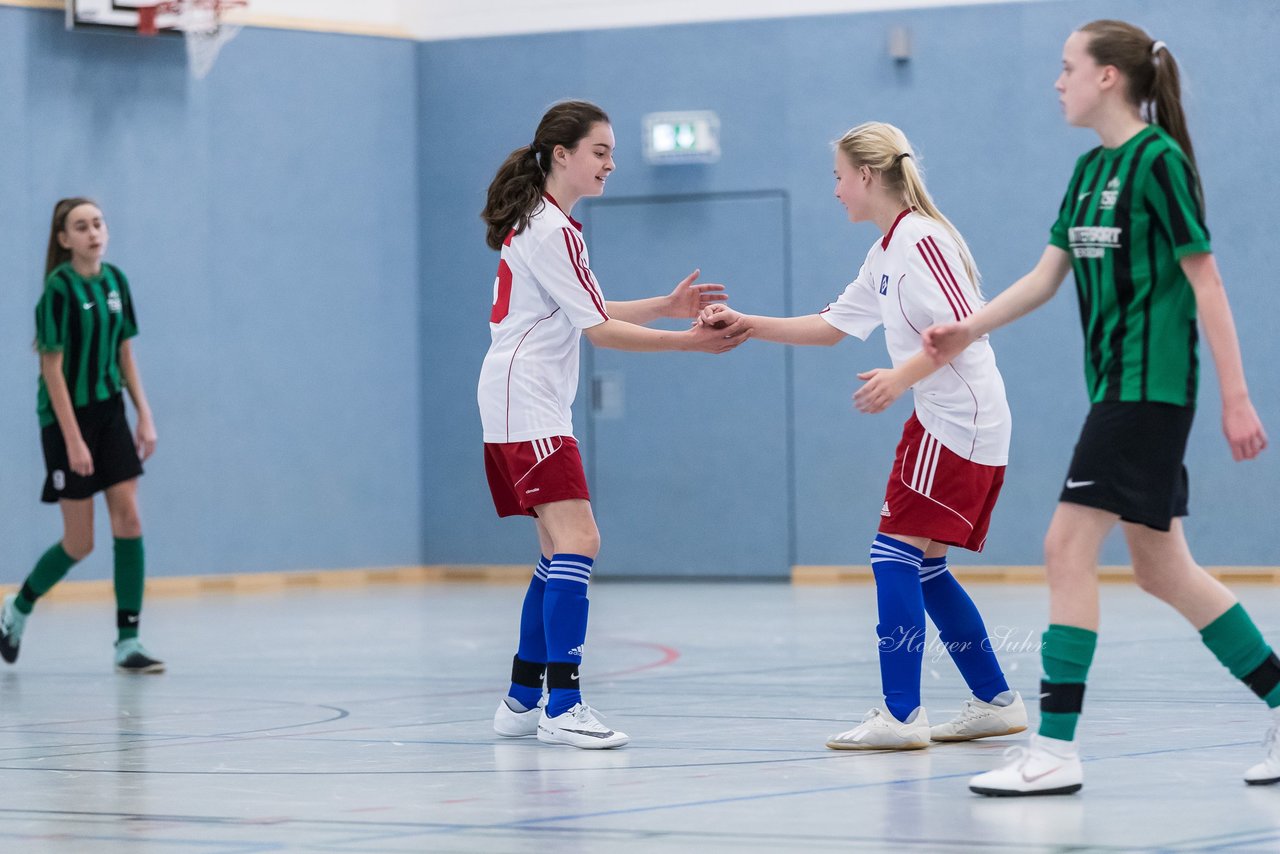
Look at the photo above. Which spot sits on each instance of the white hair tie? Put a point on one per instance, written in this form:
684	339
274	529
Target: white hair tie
1157	45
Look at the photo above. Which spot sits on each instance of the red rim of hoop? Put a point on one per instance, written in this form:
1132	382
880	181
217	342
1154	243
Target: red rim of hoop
147	15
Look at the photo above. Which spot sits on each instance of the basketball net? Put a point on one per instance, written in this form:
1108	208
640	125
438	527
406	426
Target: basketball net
202	26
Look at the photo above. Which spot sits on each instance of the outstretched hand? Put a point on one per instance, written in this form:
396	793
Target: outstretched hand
718	316
881	389
944	342
688	299
718	329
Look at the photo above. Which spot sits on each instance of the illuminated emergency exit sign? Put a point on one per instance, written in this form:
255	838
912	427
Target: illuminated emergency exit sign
683	137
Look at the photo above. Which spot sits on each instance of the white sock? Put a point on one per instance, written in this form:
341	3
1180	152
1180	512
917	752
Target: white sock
1056	746
1004	698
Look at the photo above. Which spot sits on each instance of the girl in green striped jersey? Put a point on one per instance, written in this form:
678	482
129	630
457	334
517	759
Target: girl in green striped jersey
1131	229
84	322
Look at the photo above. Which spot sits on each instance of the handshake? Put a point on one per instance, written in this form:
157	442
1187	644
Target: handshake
718	329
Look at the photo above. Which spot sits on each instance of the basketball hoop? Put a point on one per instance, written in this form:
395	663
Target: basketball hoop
201	23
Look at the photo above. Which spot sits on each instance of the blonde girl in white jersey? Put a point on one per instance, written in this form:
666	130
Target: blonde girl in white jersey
951	459
545	298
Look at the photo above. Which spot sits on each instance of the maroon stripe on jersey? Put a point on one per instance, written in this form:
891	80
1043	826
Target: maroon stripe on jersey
956	290
959	291
512	364
575	247
924	253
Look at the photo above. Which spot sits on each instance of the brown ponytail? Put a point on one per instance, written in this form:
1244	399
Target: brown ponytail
1154	83
516	191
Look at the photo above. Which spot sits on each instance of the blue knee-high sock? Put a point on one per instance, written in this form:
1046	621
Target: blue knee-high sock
896	566
564	612
961	628
533	641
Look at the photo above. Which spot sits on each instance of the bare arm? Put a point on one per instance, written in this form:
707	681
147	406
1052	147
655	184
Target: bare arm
145	439
616	334
885	385
806	329
78	456
685	301
945	341
1240	423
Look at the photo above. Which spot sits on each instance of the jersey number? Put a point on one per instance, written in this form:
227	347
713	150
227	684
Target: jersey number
501	293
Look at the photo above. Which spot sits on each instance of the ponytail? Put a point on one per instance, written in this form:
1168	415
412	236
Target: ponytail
515	193
1154	82
884	149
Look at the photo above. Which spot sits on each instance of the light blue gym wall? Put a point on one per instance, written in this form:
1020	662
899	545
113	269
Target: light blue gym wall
267	218
977	101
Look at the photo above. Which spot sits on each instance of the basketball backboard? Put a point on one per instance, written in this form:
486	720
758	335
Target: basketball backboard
114	15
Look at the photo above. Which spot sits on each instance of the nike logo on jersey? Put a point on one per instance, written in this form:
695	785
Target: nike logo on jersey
1076	484
1084	195
88	306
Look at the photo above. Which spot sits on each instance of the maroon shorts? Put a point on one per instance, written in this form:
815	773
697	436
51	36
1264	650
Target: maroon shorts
523	475
937	494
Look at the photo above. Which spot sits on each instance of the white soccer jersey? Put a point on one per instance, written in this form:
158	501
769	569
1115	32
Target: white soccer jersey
543	297
913	278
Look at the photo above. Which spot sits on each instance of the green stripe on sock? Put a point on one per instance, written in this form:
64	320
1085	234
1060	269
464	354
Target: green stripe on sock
130	560
48	571
1065	653
1236	642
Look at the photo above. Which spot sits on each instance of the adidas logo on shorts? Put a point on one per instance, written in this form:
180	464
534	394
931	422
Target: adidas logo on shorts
884	511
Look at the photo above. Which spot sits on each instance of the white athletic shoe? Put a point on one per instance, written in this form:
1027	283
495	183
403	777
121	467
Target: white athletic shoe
1047	766
509	723
579	727
1267	771
978	719
880	730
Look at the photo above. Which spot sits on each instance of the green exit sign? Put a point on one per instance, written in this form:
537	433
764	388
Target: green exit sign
682	137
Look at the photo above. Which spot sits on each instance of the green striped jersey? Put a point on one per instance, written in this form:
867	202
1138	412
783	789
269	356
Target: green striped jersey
85	320
1129	216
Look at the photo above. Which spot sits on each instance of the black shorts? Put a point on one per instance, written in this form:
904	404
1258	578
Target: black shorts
115	457
1129	462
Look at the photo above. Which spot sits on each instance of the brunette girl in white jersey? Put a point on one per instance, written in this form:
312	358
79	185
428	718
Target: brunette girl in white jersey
545	297
951	460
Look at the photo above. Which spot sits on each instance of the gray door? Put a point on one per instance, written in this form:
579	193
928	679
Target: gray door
688	454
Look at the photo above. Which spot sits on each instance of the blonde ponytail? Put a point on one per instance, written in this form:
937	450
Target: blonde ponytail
883	148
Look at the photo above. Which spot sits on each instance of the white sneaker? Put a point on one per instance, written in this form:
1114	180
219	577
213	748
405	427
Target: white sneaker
880	730
978	719
1047	766
579	727
1267	771
12	622
509	723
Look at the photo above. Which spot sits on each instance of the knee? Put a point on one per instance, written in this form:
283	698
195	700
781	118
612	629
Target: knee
1064	562
78	546
125	521
586	543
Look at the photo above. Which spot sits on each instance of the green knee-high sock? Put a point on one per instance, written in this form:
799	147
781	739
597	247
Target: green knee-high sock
1238	644
129	564
1066	653
48	571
